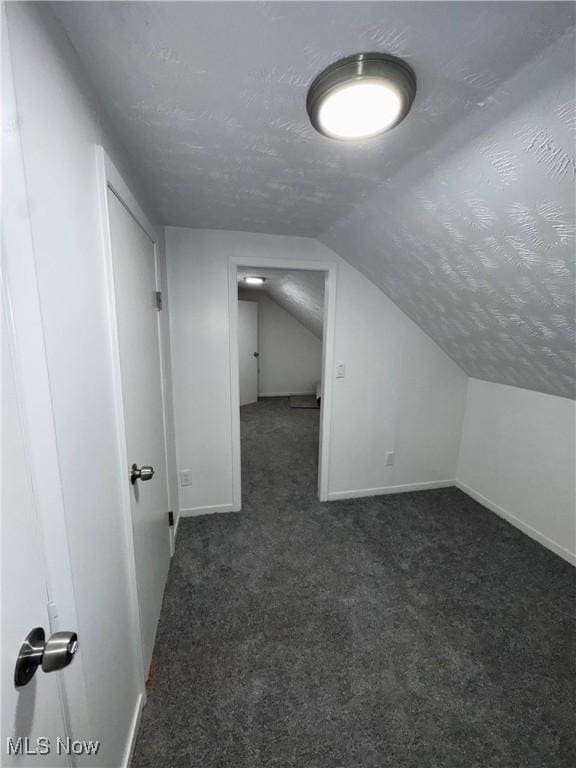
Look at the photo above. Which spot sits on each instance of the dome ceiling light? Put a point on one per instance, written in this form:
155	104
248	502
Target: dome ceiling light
361	96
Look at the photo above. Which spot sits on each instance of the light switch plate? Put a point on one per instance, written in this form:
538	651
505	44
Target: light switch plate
185	477
340	370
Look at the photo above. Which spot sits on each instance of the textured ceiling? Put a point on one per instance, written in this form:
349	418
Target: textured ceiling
299	292
210	97
476	241
463	215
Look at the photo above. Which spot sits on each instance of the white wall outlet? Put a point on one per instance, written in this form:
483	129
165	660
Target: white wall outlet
390	456
340	370
185	477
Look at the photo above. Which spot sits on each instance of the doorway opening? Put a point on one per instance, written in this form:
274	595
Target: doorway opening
281	336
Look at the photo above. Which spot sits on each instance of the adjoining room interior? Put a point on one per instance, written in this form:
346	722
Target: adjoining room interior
290	320
280	357
289	384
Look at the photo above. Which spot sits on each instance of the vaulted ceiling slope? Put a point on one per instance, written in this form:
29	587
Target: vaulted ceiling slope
299	292
463	215
475	241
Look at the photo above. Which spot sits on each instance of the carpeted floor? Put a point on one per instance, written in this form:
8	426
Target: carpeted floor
412	630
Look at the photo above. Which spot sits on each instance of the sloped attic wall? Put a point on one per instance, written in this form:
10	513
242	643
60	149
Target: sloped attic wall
475	241
300	293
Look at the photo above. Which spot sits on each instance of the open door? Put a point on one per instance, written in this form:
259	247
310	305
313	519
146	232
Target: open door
32	712
248	351
41	706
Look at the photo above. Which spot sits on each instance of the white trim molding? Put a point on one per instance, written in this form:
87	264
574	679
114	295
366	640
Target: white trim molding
134	728
330	268
517	523
109	177
485	502
388	489
287	394
210	510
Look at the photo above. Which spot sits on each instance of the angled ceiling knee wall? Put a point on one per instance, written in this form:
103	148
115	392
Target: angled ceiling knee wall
299	292
475	240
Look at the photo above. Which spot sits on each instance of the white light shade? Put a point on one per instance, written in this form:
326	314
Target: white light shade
361	96
254	280
360	109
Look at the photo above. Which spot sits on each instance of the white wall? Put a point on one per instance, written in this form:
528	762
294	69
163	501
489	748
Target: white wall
60	123
401	392
290	356
517	457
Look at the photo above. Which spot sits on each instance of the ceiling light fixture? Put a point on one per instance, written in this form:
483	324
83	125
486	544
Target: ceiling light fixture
253	280
361	96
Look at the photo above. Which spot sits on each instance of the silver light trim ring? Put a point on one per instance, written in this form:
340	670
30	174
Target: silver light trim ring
361	66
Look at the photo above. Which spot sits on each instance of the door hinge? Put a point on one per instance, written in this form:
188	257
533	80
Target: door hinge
170	518
158	300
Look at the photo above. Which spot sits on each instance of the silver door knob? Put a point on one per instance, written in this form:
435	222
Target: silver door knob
142	473
52	654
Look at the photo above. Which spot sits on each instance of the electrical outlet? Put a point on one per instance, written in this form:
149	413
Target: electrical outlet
340	370
185	477
390	456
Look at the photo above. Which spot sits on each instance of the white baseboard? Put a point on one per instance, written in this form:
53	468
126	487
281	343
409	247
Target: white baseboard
286	394
387	489
133	732
214	508
518	523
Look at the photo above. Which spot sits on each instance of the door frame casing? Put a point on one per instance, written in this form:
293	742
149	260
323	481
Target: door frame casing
109	178
330	268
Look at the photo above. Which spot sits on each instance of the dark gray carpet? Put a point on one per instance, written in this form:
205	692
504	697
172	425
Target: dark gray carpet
412	630
304	401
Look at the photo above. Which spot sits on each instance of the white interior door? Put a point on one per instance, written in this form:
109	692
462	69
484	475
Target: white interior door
33	711
135	284
248	351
